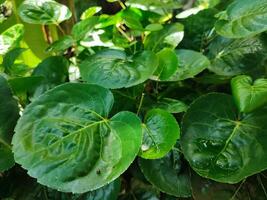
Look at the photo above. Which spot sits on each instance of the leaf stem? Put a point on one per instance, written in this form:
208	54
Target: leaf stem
122	4
61	29
140	103
239	187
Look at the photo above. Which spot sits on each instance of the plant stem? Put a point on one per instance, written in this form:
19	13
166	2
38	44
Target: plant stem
239	187
140	103
122	4
61	29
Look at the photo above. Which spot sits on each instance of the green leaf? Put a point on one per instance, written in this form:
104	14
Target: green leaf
154	27
24	84
9	113
11	38
131	19
168	64
221	146
61	45
113	69
249	95
191	64
65	140
160	133
231	57
171	105
243	18
90	12
168	174
84	27
43	12
11	56
170	36
54	71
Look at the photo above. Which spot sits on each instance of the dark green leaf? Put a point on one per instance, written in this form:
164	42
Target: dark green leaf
65	140
219	144
113	69
55	72
168	174
9	114
11	56
160	133
171	105
249	95
43	12
231	57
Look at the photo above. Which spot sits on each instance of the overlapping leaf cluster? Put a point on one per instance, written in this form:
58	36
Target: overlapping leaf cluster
161	100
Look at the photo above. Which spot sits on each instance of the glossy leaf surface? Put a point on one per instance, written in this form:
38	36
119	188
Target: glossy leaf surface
247	94
243	18
113	69
221	146
10	38
66	141
43	12
160	133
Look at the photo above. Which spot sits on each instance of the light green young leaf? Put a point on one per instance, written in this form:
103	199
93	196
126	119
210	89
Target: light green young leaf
249	95
113	69
243	18
66	140
90	12
43	12
220	145
160	133
9	114
167	174
191	63
11	38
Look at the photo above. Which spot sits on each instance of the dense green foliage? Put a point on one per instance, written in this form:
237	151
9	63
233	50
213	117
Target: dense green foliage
135	99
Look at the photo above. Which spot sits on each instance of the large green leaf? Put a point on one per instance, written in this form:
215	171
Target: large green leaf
65	140
219	144
43	12
113	69
191	63
11	38
168	64
171	105
168	174
247	94
170	36
160	133
54	71
243	18
9	113
231	57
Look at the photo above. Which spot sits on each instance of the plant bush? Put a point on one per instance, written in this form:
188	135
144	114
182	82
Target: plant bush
133	99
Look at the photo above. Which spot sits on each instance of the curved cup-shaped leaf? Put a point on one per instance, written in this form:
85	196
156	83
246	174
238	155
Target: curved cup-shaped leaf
221	146
248	95
243	18
65	140
9	113
160	133
113	69
167	174
43	12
